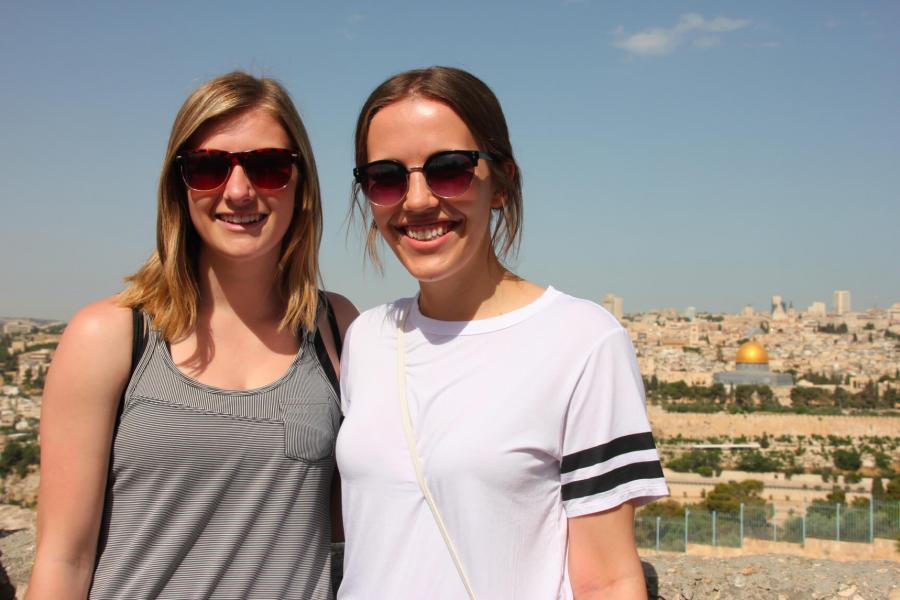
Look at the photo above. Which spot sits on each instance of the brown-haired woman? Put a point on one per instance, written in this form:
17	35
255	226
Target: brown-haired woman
521	444
203	468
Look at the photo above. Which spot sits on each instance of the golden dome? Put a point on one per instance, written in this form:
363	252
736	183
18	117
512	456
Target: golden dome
753	353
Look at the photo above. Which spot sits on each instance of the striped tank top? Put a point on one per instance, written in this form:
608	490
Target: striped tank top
218	493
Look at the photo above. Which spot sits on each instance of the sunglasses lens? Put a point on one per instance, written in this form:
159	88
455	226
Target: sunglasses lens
449	173
269	169
384	183
205	170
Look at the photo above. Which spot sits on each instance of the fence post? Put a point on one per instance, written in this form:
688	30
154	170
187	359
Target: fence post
714	528
774	527
871	520
741	534
803	530
837	521
686	513
657	533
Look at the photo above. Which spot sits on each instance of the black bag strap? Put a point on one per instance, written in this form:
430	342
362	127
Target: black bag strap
319	345
138	343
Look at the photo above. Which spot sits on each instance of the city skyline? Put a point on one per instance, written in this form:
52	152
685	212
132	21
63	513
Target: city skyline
616	305
674	154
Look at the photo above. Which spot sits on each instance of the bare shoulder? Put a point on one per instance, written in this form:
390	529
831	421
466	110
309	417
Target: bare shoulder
344	310
104	318
100	332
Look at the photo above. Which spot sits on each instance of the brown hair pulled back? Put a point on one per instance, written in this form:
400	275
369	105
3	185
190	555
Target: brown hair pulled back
478	107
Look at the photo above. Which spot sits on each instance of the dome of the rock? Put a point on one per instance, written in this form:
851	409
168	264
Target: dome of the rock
752	353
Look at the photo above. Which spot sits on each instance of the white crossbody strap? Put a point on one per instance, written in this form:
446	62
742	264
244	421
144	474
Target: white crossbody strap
414	453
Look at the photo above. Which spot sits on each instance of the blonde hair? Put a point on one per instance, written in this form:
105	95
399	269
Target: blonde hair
166	286
478	107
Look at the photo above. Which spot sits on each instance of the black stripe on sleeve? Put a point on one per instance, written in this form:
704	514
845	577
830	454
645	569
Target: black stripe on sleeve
607	481
604	452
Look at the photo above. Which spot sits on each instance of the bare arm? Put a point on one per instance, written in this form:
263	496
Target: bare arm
344	312
81	396
603	559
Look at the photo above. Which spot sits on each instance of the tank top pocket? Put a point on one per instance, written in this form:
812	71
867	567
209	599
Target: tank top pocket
310	428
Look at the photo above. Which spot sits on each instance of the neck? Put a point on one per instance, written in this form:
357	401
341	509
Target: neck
478	295
246	290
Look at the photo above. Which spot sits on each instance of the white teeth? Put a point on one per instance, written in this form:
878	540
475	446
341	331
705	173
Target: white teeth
242	219
424	235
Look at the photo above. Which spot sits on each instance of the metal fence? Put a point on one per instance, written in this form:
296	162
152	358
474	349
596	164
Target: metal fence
839	522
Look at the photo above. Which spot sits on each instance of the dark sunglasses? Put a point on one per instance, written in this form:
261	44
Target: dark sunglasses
267	168
448	174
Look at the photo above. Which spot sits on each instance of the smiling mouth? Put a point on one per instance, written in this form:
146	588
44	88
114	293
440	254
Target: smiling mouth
242	219
426	233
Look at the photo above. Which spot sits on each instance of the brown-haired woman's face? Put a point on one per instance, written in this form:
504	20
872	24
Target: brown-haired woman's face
435	238
241	219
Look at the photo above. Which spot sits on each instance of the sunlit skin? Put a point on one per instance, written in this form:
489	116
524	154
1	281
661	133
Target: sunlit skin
461	260
239	197
237	344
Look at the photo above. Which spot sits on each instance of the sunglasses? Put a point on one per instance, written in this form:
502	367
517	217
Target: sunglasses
448	174
267	168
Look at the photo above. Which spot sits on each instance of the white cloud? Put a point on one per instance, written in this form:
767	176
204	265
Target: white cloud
658	41
649	42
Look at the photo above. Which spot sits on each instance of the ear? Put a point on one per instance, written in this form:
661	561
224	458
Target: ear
499	198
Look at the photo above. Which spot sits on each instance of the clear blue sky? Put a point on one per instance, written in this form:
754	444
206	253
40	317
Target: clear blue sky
676	153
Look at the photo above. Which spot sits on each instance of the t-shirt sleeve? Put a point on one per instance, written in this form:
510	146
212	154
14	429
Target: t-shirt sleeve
609	456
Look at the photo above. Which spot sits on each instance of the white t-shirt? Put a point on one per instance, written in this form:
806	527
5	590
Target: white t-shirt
521	420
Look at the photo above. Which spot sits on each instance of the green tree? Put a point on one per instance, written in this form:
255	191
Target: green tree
892	491
727	497
698	460
877	488
847	460
17	457
837	496
841	397
757	462
663	508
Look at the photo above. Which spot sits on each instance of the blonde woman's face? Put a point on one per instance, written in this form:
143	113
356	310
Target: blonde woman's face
238	221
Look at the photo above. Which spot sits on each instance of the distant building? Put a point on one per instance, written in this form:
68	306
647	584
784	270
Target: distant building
778	311
894	313
747	311
817	309
752	368
690	313
17	326
613	304
841	302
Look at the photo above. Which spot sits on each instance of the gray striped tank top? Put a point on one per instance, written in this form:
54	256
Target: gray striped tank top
218	493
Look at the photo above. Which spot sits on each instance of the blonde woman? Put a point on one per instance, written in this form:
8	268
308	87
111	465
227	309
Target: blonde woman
203	467
495	440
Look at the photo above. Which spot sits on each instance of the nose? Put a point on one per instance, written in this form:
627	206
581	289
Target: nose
418	194
238	188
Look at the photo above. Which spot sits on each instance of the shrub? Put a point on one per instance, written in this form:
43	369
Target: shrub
17	457
847	460
757	462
